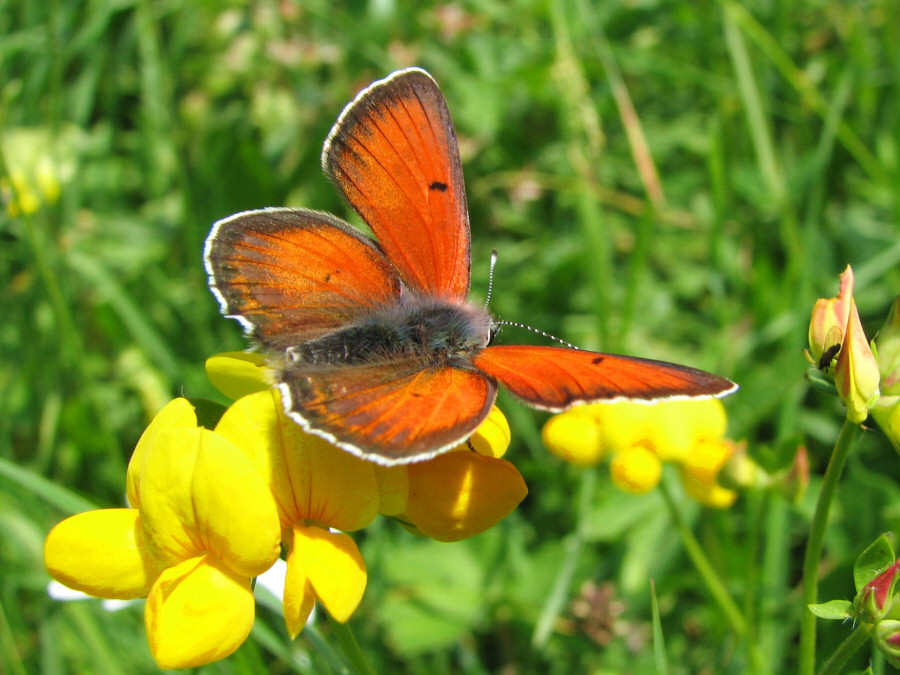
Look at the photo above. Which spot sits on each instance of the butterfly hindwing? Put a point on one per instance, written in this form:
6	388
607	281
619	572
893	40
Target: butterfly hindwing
390	413
556	378
393	154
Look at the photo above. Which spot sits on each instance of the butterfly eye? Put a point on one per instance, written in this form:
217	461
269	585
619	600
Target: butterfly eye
492	331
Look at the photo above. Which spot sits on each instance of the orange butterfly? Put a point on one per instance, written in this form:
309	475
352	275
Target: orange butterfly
375	346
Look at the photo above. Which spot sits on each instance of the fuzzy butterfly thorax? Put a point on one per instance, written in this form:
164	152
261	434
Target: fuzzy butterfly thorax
434	332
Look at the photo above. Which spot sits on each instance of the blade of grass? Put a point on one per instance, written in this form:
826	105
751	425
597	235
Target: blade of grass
556	600
760	131
804	87
584	142
128	311
51	492
640	149
9	654
659	642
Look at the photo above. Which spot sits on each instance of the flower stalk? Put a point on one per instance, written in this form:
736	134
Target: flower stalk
845	441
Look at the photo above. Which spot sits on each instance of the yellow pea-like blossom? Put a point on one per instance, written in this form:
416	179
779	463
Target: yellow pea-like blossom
640	438
201	526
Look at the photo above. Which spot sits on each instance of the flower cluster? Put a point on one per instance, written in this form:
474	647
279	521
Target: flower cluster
37	163
866	374
212	505
639	438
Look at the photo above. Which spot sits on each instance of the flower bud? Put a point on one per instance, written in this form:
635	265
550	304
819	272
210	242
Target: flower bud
828	313
888	349
887	639
875	599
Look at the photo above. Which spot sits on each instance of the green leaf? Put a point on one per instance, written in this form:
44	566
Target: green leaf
877	557
777	458
659	642
835	609
208	412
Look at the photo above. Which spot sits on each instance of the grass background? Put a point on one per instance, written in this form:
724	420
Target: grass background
678	180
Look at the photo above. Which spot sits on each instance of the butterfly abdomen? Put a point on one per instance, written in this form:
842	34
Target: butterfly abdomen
437	333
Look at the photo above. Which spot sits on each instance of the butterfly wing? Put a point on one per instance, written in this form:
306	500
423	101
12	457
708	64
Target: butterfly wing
556	378
289	275
393	154
390	413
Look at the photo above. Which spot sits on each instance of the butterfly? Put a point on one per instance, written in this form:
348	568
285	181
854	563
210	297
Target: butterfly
373	344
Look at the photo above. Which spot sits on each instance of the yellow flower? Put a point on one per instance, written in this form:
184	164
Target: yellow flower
317	487
640	437
636	470
676	427
575	438
700	470
458	494
203	524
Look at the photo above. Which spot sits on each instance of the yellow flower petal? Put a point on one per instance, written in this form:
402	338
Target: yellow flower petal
636	470
459	494
235	512
706	459
177	413
103	553
575	438
201	494
856	374
699	474
673	427
167	510
710	495
326	566
310	478
828	313
196	613
393	489
238	374
493	436
623	424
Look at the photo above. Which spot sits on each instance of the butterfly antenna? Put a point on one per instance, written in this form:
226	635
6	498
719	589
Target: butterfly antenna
490	290
516	324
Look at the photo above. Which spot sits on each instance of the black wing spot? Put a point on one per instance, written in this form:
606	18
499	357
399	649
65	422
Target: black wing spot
438	185
327	278
597	360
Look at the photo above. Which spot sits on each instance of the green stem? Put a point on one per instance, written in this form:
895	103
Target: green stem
574	543
352	651
711	579
814	545
846	649
713	582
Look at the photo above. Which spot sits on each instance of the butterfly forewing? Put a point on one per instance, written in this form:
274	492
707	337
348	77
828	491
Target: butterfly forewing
393	154
390	413
556	378
290	275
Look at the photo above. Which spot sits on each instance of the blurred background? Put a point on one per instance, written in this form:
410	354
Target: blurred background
670	179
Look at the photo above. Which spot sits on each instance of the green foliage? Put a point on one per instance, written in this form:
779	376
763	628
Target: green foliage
772	130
